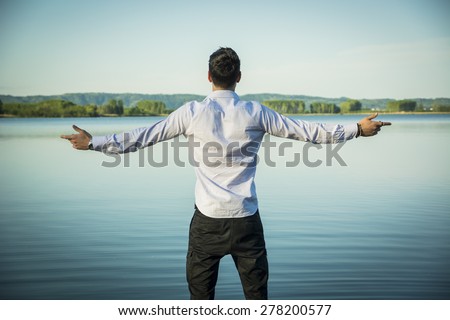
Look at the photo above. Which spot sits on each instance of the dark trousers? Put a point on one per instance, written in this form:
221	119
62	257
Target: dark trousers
212	238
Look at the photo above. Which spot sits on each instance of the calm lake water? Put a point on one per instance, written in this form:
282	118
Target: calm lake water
377	228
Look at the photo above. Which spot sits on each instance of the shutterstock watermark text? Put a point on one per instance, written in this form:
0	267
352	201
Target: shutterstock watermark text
182	152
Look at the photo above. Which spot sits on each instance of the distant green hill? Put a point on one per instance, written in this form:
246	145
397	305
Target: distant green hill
173	101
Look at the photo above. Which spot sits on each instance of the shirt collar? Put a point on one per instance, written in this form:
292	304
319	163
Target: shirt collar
227	94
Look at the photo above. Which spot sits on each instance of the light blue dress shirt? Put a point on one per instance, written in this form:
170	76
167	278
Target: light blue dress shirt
225	134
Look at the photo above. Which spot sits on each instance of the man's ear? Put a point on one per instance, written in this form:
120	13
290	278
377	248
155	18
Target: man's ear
239	77
209	76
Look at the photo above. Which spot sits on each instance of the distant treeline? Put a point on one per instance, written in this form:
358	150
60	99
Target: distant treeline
286	106
411	105
351	106
62	108
299	106
173	101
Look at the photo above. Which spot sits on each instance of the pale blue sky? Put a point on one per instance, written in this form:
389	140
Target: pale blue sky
359	49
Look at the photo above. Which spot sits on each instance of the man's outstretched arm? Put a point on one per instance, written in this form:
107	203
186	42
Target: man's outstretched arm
170	127
123	142
281	126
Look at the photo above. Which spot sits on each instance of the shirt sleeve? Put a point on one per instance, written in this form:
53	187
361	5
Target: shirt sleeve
170	127
281	126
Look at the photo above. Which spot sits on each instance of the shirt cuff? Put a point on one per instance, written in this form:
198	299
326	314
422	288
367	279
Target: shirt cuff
98	142
350	131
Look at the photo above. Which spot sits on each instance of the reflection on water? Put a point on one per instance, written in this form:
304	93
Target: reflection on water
374	229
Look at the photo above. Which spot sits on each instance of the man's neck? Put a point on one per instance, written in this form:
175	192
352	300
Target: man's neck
214	88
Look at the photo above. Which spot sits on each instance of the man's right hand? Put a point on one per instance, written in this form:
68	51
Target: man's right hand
80	140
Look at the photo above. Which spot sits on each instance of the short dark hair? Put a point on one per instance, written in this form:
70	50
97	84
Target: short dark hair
225	67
